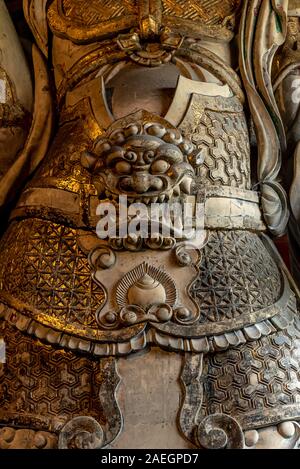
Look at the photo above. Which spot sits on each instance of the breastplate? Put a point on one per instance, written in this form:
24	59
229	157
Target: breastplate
63	189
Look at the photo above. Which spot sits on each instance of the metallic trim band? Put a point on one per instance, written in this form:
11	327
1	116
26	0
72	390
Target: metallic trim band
225	207
102	343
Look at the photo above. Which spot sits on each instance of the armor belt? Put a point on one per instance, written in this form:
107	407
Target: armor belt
225	207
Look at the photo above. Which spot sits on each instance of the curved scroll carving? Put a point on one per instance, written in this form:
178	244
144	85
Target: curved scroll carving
85	432
81	433
219	431
102	257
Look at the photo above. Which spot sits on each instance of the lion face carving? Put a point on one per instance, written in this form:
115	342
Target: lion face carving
146	162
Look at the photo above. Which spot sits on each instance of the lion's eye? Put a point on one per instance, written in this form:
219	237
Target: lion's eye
130	156
160	166
148	156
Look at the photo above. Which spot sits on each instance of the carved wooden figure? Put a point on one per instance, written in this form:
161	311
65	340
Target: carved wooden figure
155	341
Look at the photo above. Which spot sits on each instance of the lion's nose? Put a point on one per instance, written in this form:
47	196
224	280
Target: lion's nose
140	159
141	183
